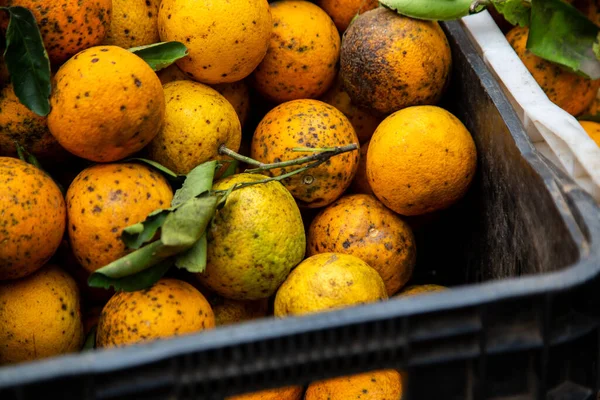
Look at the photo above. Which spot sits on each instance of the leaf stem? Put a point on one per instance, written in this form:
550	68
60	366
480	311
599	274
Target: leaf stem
227	152
320	154
273	178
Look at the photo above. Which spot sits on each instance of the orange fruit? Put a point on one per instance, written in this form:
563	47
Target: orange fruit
242	27
103	200
364	123
421	159
265	218
569	91
286	393
237	93
592	129
19	124
32	218
198	120
228	311
328	281
389	61
420	289
307	123
360	183
39	316
68	26
107	103
171	73
594	107
343	11
376	385
303	53
361	226
169	308
134	23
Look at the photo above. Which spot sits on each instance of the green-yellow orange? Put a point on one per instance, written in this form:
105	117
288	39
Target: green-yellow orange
254	241
328	281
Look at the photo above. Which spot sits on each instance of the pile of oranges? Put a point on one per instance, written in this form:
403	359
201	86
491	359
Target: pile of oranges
272	82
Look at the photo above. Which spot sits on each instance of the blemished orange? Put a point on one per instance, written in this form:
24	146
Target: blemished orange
134	23
360	183
361	226
569	91
592	129
104	199
107	103
414	290
594	107
237	93
171	73
265	218
21	125
389	61
364	123
308	123
343	11
32	218
376	385
169	308
303	53
328	281
286	393
421	159
68	26
39	316
243	27
228	311
198	120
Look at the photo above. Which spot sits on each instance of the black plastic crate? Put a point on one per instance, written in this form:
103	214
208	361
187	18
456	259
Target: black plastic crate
522	321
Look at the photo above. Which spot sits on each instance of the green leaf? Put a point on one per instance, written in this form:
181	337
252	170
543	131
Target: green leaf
517	12
90	340
596	47
137	261
231	169
26	156
164	170
135	236
194	260
160	55
27	61
198	181
139	281
437	10
184	226
561	34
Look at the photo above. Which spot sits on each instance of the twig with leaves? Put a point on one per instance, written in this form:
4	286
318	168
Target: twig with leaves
182	228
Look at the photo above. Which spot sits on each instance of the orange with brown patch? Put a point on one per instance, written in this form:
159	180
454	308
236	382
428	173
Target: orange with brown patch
308	123
69	26
103	200
389	61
